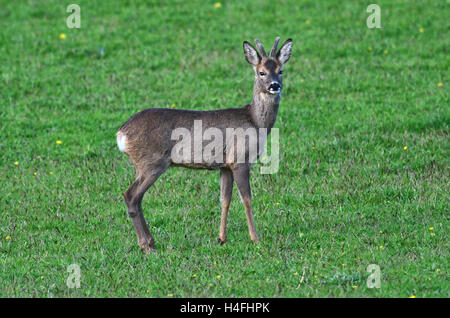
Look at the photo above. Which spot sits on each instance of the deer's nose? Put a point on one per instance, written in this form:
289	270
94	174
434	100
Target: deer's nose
274	86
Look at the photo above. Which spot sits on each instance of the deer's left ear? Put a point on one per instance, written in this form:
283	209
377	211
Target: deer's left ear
284	53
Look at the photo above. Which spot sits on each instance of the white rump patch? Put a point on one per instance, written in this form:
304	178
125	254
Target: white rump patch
121	141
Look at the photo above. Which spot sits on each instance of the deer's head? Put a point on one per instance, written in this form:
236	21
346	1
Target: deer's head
268	68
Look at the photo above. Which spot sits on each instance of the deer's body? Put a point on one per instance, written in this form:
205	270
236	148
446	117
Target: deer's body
147	139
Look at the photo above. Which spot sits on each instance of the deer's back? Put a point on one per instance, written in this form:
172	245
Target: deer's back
149	133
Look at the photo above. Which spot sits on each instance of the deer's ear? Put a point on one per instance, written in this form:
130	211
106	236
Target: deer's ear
251	55
284	53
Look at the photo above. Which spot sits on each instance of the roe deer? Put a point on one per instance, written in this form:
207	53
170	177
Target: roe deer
147	139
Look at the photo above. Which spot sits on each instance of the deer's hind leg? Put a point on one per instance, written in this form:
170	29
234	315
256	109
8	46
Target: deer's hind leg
133	199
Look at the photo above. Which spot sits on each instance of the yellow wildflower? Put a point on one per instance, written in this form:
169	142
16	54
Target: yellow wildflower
412	296
405	148
8	238
421	30
219	276
16	163
62	36
59	142
217	5
440	84
431	228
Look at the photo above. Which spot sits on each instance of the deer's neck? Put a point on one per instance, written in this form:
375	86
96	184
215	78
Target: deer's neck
264	108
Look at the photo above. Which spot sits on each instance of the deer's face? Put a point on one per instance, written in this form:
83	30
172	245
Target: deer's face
268	76
268	68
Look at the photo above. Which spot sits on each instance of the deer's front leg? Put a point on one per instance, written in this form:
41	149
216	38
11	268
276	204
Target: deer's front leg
226	190
241	174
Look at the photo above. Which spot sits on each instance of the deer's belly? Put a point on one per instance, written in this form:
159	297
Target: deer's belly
202	165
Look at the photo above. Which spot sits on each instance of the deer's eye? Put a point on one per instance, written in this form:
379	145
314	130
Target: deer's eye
281	72
262	73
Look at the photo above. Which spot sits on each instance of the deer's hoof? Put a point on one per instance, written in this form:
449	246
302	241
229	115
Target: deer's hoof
147	248
221	241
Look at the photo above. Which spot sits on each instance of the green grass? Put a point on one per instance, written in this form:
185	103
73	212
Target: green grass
345	187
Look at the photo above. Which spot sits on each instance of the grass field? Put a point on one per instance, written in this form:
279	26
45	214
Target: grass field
364	142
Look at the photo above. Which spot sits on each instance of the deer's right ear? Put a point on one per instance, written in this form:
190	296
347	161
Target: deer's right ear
251	55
